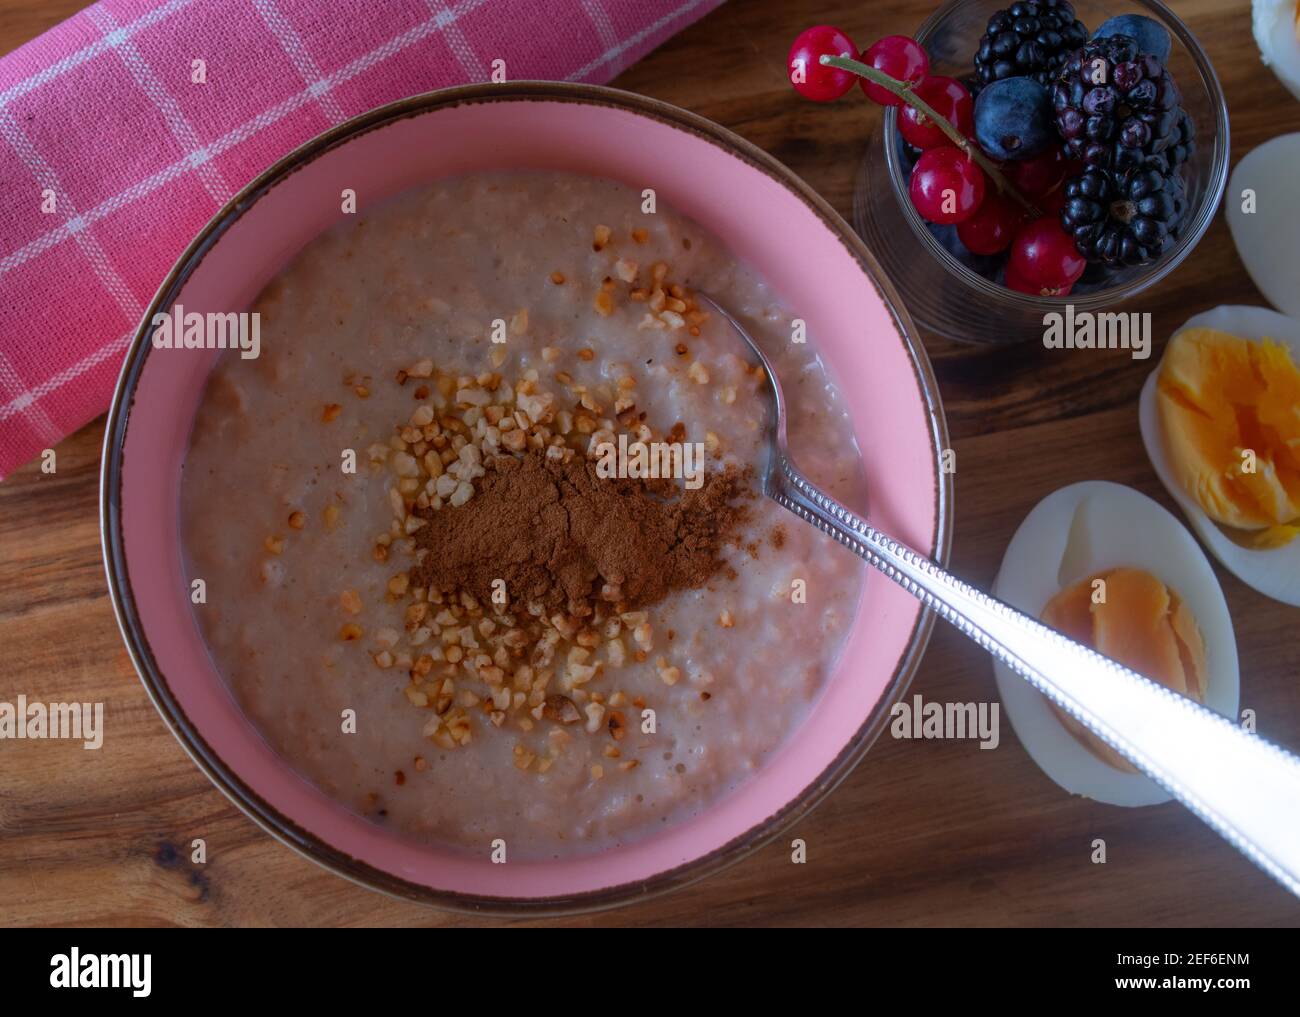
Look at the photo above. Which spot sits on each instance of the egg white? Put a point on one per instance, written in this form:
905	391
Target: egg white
1274	24
1071	534
1268	239
1274	572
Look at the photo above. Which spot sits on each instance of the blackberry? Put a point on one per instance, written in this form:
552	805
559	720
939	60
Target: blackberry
1116	106
1176	188
1124	218
1180	149
1029	39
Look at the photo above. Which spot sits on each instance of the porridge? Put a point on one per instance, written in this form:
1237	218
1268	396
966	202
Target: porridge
454	592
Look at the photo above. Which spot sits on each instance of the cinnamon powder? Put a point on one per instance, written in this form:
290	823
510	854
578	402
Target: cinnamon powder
558	534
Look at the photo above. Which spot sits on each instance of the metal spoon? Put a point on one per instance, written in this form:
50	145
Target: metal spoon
1246	788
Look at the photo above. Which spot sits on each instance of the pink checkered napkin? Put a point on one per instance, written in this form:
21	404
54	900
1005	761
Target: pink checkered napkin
101	113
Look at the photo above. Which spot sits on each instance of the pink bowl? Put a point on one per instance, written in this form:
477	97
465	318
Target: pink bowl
770	219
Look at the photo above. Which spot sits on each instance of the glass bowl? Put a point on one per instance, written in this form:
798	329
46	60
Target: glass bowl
948	297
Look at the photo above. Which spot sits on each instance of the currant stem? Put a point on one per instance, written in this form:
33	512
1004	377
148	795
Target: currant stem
903	89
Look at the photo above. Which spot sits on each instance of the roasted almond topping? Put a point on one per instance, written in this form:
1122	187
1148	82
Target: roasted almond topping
561	709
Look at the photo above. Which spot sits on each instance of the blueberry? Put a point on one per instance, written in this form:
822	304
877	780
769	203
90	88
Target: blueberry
985	265
1150	36
1013	119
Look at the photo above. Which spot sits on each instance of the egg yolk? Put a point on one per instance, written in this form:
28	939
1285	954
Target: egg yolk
1230	410
1134	618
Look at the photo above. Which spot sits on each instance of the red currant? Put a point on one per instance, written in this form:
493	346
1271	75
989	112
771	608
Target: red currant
1035	177
1043	255
993	226
946	186
901	58
1015	282
951	100
812	79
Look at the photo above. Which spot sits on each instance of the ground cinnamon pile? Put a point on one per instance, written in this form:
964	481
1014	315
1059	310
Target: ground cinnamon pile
563	537
522	574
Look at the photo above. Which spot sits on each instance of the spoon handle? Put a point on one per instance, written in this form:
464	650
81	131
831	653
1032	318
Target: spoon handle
1243	786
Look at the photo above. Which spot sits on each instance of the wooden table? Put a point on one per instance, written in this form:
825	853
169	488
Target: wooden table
922	833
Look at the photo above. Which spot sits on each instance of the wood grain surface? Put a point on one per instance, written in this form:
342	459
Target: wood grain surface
922	833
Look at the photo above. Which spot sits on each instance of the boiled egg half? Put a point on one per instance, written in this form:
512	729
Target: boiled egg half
1263	211
1220	419
1276	24
1110	568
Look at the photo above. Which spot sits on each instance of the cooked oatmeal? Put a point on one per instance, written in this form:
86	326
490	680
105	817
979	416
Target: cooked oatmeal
437	712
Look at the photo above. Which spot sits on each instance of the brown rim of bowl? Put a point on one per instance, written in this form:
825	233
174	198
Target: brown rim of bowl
309	844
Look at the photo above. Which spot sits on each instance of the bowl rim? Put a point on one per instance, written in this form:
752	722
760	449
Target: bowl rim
1199	224
305	842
